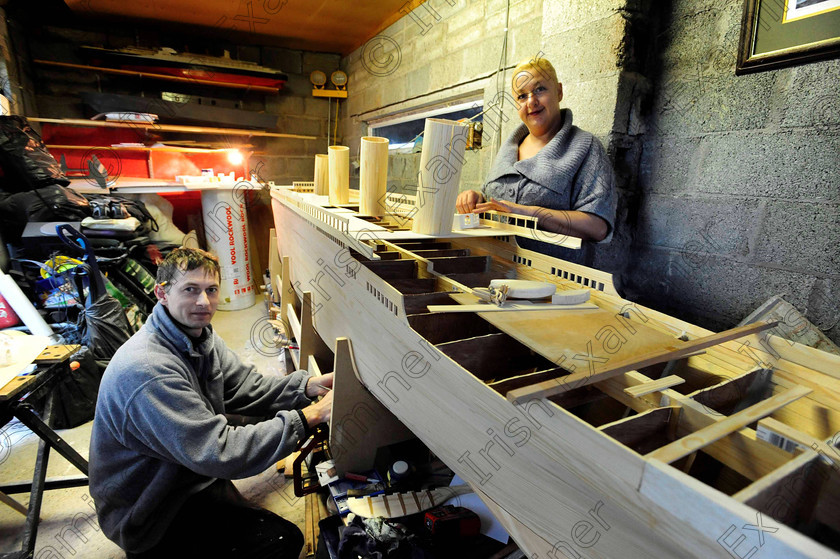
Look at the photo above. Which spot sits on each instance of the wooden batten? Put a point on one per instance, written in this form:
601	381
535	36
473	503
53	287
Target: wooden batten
322	174
442	253
506	385
419	303
439	328
339	163
658	355
441	161
373	175
716	431
494	356
424	245
654	386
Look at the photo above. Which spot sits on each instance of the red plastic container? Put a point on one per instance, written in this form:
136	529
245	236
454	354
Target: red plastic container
7	315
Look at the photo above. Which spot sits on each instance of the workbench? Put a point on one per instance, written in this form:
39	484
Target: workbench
15	397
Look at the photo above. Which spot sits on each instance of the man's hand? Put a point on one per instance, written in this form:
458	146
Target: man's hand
467	201
320	411
318	386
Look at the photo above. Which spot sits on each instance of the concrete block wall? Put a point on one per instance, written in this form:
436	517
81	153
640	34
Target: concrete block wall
598	50
287	160
440	45
740	185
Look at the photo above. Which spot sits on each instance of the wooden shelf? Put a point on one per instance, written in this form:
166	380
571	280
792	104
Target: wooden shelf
335	93
149	148
168	128
163	77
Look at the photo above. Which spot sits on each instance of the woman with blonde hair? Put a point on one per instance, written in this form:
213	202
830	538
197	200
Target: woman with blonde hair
548	168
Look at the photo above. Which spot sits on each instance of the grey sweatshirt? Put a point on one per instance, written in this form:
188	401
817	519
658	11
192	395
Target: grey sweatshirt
160	433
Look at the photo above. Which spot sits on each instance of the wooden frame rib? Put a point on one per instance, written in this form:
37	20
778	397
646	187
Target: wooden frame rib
576	380
704	437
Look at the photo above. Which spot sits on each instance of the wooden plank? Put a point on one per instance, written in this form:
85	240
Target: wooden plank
510	306
14	386
712	433
168	128
309	540
154	76
506	385
56	353
418	303
653	386
595	372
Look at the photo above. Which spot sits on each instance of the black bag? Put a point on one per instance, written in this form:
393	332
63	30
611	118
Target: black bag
74	399
51	203
102	323
24	158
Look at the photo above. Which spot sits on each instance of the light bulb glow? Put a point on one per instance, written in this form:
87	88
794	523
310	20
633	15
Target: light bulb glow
235	157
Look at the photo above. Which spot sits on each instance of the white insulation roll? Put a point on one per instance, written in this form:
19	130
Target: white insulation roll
226	232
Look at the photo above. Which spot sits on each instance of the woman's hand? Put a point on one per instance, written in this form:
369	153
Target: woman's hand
467	200
318	386
497	205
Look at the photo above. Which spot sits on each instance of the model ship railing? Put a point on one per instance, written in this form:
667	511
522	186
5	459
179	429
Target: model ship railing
404	206
334	226
303	186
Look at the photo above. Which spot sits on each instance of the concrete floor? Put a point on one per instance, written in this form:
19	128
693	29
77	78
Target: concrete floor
68	525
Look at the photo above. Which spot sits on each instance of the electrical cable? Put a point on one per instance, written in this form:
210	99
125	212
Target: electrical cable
335	132
500	72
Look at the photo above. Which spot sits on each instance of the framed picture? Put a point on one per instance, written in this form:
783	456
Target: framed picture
776	33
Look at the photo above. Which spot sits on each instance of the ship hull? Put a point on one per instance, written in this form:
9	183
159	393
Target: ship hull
560	487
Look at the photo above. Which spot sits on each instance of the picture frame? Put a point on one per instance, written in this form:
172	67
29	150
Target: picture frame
779	33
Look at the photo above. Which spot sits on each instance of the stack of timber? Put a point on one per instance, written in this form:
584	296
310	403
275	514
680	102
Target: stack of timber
614	431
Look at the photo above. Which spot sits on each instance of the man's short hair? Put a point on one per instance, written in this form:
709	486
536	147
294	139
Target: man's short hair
182	260
537	67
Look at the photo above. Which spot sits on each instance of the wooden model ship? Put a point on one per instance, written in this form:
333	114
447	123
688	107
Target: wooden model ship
602	430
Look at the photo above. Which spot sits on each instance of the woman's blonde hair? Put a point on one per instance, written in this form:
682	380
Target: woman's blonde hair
536	68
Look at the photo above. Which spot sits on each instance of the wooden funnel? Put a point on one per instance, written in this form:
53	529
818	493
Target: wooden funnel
373	176
322	174
444	142
339	175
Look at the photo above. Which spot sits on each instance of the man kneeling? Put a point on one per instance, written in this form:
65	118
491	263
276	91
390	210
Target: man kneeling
162	451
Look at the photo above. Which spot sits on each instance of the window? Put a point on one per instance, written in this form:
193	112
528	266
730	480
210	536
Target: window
402	130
